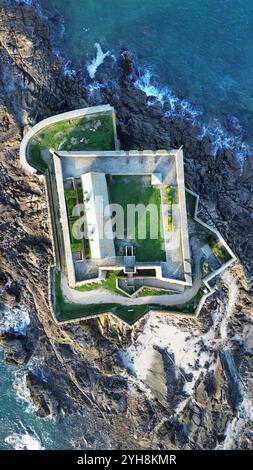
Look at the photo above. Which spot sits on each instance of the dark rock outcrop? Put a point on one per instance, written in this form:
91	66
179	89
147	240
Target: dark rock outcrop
81	361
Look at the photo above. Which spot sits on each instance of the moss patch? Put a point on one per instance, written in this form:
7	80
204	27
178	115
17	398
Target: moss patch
93	132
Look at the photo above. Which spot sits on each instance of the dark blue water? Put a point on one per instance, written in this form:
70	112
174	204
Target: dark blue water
198	53
20	428
202	50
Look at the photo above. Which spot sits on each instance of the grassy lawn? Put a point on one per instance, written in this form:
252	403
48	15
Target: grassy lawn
171	197
221	253
126	190
71	201
146	291
34	156
94	132
109	283
66	310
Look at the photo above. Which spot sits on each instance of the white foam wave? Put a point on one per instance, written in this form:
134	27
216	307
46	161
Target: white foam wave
24	441
68	69
97	61
62	28
164	95
14	320
27	2
219	137
93	88
22	391
20	384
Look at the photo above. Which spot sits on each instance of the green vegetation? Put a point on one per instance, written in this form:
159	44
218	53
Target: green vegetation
109	283
171	195
170	223
34	156
83	133
71	201
79	190
221	253
205	235
205	269
171	198
66	310
73	197
148	291
125	190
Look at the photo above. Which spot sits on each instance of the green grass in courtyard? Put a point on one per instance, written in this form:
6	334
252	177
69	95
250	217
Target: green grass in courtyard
221	253
66	310
148	291
126	190
34	156
71	201
109	284
94	132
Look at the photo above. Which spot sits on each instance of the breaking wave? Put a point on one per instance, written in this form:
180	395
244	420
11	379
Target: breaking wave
14	320
182	109
20	385
174	107
162	95
22	391
24	441
98	60
27	2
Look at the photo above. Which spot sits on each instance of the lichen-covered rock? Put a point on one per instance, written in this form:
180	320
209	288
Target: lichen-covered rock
203	402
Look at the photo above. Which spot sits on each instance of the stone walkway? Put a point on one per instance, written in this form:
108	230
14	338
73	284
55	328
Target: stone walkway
98	296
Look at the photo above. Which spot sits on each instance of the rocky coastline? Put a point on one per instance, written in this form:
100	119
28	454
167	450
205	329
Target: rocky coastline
83	372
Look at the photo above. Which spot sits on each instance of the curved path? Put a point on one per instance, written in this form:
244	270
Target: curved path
98	296
53	119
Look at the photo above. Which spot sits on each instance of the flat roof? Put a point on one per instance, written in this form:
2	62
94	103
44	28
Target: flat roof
168	164
95	201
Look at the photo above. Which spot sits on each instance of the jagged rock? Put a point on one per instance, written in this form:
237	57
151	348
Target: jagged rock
14	349
42	397
83	371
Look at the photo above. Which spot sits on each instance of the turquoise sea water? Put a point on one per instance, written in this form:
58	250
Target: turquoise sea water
201	49
19	426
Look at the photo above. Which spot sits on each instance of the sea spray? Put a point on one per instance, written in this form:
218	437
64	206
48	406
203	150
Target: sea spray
14	320
163	95
27	2
182	109
97	61
35	366
219	136
24	440
22	391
